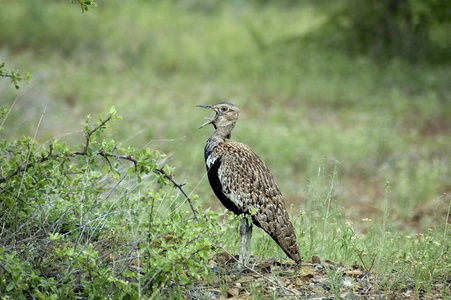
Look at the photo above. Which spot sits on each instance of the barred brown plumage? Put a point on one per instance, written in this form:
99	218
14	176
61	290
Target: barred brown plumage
244	185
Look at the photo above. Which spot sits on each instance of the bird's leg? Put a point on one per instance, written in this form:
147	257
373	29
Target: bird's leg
245	244
248	241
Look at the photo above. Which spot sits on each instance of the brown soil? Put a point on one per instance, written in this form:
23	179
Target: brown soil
274	279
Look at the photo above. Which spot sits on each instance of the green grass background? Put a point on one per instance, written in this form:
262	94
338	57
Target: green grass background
305	107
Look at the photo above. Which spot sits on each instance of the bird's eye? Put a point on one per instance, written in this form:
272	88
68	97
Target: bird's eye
224	109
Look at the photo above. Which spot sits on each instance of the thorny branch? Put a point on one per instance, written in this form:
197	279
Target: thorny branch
25	168
105	155
179	186
84	152
102	153
89	134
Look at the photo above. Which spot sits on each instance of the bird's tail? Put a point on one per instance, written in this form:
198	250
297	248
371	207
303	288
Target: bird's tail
280	228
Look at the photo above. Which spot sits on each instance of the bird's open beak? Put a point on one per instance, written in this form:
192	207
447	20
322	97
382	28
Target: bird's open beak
210	121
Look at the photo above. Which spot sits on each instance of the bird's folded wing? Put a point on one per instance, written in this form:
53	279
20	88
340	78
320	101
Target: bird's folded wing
248	184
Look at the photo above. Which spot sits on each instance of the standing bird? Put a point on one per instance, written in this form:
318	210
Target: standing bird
244	185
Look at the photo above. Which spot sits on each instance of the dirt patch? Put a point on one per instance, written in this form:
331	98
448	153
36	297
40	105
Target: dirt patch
317	279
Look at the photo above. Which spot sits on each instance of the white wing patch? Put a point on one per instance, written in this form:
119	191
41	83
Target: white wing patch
210	161
236	199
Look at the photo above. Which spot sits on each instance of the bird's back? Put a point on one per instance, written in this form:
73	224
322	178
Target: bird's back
244	184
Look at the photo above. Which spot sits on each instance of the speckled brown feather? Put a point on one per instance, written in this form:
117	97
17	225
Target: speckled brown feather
244	184
248	183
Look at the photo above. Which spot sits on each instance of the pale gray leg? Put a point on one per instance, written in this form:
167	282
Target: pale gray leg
245	244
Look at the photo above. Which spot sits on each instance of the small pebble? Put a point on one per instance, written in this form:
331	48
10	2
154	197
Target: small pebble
316	259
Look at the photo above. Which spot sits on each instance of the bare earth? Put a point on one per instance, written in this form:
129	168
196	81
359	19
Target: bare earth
316	279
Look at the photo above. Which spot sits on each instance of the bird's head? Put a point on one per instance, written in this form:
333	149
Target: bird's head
225	118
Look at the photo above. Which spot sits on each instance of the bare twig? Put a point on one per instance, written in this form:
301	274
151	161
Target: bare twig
179	186
127	157
4	268
360	255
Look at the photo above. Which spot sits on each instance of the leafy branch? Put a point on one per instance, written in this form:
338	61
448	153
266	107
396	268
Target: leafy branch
85	4
142	160
14	75
89	131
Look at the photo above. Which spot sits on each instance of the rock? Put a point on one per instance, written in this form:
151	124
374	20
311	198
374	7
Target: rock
348	296
316	259
234	292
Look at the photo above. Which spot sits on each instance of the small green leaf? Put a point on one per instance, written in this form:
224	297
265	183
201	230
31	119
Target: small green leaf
10	286
105	169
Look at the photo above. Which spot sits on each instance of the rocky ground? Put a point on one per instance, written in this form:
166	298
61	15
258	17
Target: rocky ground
316	279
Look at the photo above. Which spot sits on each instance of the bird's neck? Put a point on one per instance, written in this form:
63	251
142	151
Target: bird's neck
216	139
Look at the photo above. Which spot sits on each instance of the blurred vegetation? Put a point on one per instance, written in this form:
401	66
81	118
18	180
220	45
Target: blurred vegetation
155	60
414	30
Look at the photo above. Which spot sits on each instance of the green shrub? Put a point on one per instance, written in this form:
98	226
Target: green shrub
414	30
79	222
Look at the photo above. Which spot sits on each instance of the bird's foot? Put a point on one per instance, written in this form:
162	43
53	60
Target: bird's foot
237	270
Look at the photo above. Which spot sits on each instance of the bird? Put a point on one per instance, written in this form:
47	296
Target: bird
245	186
